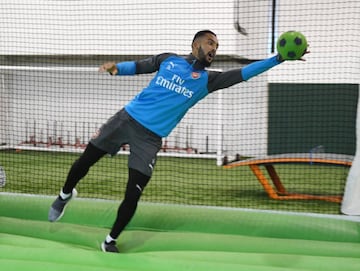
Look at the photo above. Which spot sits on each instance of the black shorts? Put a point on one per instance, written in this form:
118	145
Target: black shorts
122	129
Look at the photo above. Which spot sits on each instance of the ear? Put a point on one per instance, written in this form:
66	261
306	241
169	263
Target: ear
196	44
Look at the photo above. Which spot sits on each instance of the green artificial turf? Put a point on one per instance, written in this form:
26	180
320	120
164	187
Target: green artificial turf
175	180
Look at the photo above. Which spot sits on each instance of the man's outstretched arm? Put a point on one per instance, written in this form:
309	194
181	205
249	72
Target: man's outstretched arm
147	65
220	80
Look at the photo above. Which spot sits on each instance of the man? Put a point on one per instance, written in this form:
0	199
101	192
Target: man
180	82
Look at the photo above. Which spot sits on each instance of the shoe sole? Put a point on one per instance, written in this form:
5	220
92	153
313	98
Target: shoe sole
60	216
103	247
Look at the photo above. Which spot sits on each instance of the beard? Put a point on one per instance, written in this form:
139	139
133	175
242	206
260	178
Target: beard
202	58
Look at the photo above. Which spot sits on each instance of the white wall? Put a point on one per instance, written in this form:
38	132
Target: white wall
128	28
332	29
116	27
123	28
148	27
111	27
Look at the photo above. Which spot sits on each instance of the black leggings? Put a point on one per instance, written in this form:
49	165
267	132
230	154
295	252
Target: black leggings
136	184
81	166
137	181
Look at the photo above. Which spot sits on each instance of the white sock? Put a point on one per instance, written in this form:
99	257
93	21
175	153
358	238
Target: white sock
109	239
64	196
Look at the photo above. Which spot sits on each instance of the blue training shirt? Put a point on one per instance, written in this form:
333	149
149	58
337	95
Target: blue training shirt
171	93
180	82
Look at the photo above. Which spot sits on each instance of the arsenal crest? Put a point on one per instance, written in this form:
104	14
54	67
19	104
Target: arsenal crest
195	75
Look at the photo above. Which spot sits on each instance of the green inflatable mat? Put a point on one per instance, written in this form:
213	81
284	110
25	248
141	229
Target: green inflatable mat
172	237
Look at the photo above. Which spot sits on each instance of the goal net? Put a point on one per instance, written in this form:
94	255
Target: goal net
52	98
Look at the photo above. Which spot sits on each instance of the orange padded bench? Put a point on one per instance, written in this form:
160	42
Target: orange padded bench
278	191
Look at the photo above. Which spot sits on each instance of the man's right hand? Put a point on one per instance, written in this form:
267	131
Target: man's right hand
109	67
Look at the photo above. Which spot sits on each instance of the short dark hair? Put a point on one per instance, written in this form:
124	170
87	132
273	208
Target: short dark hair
202	33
